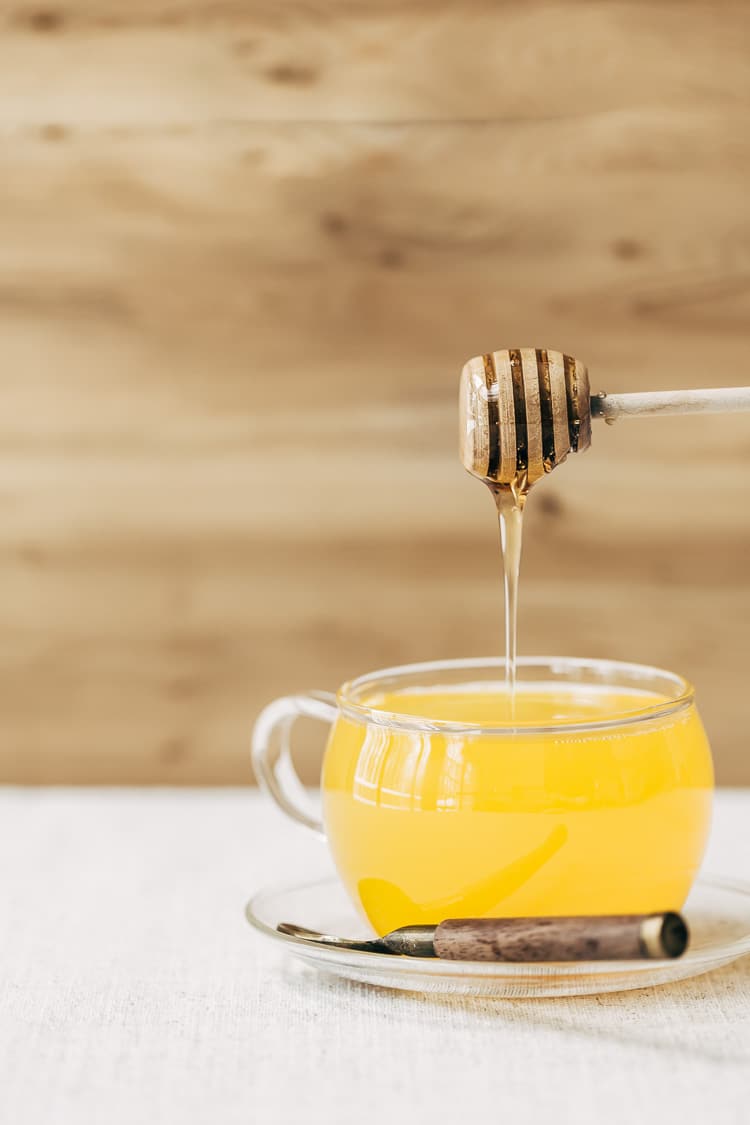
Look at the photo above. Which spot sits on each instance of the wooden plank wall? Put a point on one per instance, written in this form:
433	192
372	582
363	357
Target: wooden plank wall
244	251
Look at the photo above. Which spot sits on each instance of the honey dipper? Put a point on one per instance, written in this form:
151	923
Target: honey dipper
523	410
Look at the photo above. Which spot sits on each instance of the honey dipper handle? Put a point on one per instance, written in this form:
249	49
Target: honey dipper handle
719	400
621	937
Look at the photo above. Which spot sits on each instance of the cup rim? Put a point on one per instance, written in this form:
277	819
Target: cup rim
682	697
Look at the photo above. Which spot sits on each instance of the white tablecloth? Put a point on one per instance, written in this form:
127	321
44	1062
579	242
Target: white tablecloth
132	990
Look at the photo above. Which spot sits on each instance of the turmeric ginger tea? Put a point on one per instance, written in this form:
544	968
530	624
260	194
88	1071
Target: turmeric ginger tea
591	799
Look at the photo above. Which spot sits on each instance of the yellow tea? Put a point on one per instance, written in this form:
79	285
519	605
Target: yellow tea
605	811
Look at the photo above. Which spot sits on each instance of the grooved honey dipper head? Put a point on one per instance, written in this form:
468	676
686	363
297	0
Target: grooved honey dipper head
522	411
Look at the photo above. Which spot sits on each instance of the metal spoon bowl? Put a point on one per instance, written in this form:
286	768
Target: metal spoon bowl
364	945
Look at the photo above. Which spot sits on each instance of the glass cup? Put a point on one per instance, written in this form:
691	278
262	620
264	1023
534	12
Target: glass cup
592	796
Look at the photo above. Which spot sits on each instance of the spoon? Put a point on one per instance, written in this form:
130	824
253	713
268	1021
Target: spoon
523	410
618	937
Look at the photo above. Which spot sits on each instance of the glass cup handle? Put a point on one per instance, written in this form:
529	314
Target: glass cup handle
272	757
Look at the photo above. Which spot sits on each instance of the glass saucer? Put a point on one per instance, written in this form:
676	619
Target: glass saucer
717	911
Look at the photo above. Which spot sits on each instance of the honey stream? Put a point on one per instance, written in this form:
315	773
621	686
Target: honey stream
510	501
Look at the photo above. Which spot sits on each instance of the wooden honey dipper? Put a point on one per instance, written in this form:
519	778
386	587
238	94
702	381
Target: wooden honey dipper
523	410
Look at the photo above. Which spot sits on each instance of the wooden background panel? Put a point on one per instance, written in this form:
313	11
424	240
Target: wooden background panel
193	64
231	347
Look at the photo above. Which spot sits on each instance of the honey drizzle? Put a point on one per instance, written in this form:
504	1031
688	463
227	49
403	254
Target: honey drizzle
510	501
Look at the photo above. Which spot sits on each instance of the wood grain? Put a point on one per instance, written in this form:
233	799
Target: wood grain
245	253
193	64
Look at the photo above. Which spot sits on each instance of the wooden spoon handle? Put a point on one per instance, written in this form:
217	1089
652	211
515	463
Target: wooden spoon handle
718	400
621	937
